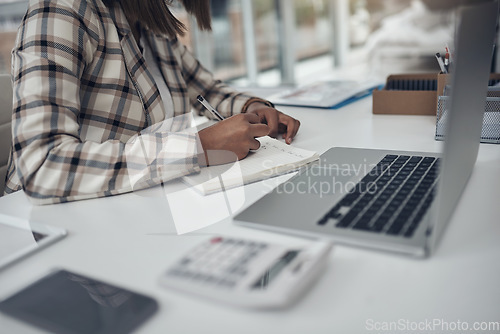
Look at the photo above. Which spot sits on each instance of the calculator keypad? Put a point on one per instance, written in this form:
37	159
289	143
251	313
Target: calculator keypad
222	262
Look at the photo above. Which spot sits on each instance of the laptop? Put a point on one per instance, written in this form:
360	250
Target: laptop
393	200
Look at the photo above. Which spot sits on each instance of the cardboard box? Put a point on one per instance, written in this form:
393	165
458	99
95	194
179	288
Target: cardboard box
409	94
413	94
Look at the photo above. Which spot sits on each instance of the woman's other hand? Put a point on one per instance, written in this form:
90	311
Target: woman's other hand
278	122
231	138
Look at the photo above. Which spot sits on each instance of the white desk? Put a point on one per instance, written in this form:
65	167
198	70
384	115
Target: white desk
129	240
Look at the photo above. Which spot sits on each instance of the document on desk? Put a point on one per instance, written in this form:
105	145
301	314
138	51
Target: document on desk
271	159
331	94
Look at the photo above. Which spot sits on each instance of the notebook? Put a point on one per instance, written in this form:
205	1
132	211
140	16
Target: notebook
273	158
331	94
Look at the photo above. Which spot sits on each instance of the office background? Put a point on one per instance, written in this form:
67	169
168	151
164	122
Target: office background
281	42
272	43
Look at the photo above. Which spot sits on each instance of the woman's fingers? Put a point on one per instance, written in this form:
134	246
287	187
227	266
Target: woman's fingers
292	127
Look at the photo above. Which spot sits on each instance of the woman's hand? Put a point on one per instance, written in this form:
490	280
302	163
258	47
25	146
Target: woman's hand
278	122
231	139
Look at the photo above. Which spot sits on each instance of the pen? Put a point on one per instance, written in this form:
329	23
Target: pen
209	108
440	62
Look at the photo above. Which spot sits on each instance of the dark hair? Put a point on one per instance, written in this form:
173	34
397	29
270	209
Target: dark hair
156	15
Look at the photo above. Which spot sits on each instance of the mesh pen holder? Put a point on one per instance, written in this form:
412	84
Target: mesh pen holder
491	122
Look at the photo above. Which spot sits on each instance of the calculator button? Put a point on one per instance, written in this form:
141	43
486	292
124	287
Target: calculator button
253	254
185	261
221	262
244	260
238	271
211	280
187	274
174	272
216	240
199	277
226	283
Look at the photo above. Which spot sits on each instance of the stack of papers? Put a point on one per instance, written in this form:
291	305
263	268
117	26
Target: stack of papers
325	94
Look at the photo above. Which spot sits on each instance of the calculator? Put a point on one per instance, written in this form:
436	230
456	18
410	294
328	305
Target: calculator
247	273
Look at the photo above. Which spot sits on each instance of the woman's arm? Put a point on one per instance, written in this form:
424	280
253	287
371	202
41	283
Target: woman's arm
56	43
230	102
200	81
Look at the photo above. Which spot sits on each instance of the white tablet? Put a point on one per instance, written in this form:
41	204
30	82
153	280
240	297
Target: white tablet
20	237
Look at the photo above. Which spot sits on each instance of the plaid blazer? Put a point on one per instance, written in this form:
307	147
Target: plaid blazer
88	120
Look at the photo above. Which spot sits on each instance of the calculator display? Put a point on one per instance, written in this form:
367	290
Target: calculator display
264	281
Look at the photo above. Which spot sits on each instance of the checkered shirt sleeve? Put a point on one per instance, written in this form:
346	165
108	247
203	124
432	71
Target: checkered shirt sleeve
55	157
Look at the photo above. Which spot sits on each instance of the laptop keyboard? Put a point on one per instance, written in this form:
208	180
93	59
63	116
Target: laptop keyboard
391	199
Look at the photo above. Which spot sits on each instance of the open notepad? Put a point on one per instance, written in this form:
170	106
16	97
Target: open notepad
271	159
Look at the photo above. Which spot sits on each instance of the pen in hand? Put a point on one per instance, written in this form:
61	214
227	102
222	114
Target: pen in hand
210	108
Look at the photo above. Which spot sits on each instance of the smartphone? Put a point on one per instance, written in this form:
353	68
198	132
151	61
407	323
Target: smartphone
65	302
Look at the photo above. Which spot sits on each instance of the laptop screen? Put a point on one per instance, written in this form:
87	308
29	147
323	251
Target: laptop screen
469	83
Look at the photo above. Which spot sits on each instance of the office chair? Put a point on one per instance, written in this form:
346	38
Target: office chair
5	125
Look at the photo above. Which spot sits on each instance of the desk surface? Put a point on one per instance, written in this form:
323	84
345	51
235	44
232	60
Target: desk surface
130	239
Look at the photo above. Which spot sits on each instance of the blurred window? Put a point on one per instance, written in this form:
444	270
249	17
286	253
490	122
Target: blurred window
11	13
239	25
313	28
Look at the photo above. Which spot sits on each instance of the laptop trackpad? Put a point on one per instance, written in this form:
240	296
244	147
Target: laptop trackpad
304	198
320	181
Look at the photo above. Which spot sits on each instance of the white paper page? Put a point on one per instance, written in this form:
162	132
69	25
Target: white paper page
273	153
272	158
